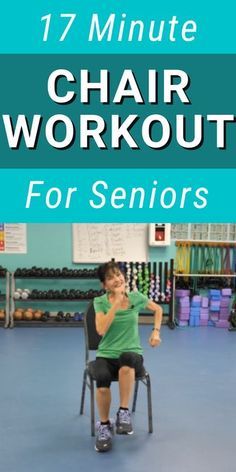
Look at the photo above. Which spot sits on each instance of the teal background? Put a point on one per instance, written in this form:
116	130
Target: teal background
220	184
50	245
23	90
22	30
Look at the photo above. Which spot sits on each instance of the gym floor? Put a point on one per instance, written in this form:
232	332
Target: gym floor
193	388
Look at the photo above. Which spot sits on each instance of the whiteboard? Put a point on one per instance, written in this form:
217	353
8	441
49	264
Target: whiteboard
104	241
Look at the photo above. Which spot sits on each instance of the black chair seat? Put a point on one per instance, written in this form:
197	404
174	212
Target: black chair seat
92	371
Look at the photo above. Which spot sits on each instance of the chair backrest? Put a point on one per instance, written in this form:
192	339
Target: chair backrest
92	338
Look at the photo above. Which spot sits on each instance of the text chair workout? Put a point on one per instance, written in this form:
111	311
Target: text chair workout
92	340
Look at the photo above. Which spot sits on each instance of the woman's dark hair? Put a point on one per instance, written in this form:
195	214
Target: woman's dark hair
104	269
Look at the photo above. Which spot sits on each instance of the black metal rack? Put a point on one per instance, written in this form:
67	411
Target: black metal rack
5	298
52	320
163	270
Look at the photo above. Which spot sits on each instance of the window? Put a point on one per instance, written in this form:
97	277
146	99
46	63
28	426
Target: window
204	232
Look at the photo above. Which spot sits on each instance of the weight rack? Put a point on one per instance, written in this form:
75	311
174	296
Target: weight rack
5	298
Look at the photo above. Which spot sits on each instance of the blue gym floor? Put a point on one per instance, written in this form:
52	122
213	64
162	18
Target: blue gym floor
194	393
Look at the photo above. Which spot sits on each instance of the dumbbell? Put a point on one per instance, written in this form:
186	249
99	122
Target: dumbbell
37	315
72	294
17	294
45	316
50	294
23	272
78	294
32	272
18	315
34	293
92	273
28	315
65	272
67	317
64	293
25	294
59	316
78	316
56	294
45	272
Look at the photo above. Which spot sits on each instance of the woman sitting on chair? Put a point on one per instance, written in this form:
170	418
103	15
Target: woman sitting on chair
119	352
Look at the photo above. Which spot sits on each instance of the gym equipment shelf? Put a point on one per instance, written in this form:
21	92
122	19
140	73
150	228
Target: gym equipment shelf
226	276
194	275
154	279
5	298
56	278
52	320
50	323
56	300
65	273
145	317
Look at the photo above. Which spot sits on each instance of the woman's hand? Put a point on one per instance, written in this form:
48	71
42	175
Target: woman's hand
119	294
155	339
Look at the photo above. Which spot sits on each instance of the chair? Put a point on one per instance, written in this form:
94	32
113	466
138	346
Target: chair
92	340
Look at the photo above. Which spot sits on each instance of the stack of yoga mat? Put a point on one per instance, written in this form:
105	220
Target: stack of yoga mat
195	311
220	302
204	313
212	309
183	306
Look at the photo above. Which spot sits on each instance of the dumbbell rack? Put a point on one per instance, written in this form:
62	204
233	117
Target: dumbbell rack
154	285
5	299
51	321
144	317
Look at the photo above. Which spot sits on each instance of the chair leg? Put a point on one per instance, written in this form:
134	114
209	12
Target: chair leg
92	407
135	396
149	404
83	392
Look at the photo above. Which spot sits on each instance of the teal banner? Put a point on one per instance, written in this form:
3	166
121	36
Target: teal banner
152	26
145	195
146	111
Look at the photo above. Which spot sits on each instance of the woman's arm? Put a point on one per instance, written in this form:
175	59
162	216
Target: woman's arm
103	321
155	339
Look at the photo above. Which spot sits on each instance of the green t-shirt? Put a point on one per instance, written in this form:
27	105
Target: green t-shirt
123	334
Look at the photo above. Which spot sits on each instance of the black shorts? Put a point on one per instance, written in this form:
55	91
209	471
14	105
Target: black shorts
107	369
